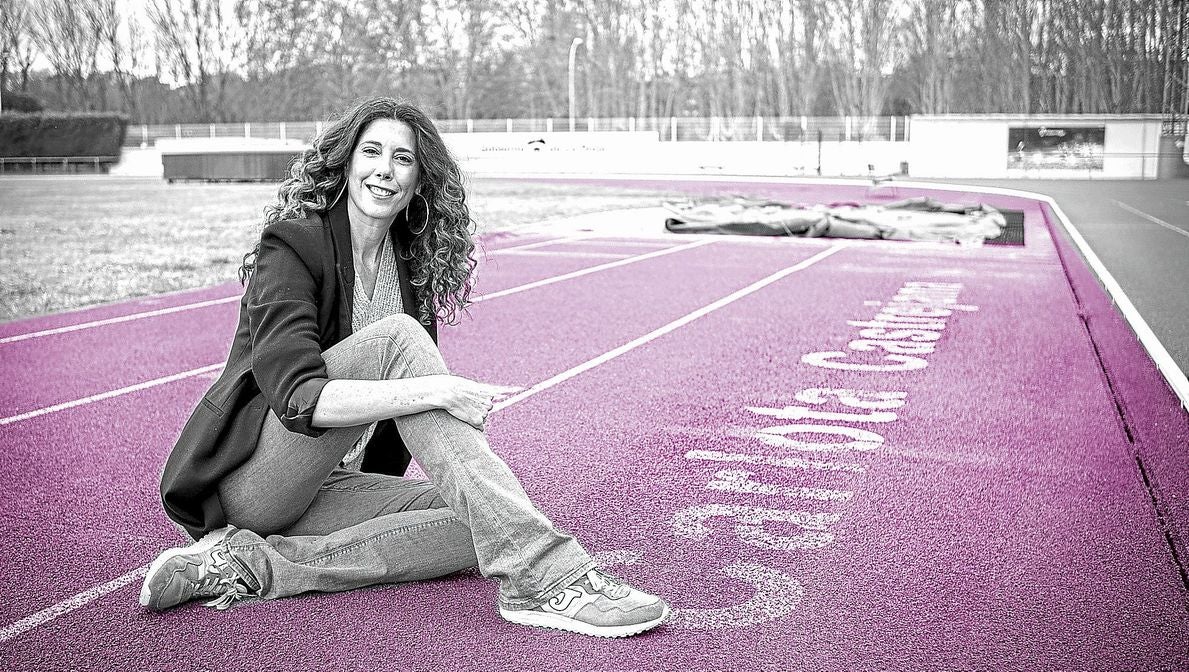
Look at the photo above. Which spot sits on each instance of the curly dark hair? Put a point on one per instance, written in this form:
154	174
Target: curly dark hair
441	252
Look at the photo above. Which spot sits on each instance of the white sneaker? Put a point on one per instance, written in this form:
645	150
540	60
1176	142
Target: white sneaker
201	570
596	604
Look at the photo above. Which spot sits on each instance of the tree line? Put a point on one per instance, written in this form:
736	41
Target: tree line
273	60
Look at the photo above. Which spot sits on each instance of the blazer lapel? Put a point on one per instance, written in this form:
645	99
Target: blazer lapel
399	235
344	265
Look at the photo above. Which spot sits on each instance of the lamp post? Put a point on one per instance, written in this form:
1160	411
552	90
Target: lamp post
17	24
573	50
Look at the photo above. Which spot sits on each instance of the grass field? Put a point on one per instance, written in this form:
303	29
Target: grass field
72	242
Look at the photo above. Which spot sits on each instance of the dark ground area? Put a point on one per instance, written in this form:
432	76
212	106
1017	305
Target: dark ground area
1150	260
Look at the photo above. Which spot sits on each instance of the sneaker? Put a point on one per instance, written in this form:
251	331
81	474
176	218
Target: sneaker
596	604
202	569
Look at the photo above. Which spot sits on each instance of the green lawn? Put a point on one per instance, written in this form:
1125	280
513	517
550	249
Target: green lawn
69	242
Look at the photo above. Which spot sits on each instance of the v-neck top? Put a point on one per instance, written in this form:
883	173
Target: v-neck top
385	301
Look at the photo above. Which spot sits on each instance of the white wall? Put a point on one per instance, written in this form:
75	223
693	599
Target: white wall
957	147
949	146
644	152
976	146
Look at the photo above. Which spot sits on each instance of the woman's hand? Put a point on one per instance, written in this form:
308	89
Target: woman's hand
468	400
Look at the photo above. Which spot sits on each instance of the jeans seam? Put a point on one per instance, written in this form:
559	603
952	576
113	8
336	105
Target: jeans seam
547	594
379	488
522	563
376	537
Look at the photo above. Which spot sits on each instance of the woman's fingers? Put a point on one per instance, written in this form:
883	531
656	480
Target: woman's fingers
476	400
500	389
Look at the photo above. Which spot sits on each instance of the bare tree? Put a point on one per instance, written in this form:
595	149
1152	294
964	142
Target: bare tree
121	40
12	20
198	44
67	34
861	54
933	35
462	35
288	51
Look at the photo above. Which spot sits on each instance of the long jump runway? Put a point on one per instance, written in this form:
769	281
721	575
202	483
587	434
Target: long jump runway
826	455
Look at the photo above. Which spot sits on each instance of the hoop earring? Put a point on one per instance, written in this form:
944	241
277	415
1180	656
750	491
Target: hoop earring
336	198
426	224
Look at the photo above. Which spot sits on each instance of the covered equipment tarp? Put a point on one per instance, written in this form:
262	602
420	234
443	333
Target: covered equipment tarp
920	218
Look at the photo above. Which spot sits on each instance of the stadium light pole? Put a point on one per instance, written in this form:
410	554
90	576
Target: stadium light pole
20	18
573	50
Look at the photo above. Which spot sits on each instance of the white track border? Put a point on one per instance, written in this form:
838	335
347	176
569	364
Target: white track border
1167	366
91	594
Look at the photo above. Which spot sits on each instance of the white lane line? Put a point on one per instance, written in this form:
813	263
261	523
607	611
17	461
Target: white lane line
568	253
1176	378
1150	218
539	243
108	395
788	462
592	269
615	242
228	299
68	605
477	299
117	320
661	331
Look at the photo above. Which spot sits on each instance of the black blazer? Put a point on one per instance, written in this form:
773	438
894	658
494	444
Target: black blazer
297	305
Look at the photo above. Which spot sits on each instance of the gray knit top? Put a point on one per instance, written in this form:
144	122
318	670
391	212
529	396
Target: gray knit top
385	301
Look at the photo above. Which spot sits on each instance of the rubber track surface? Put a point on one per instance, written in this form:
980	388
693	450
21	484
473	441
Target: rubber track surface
996	518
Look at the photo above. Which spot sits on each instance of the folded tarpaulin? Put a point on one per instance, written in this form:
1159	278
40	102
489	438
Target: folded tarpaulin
920	218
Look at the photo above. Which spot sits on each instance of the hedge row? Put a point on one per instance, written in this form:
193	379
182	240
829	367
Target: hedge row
16	101
62	134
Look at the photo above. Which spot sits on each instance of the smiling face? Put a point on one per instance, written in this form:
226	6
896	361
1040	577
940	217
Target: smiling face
382	174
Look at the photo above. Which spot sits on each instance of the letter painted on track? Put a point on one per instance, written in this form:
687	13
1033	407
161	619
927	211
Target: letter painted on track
776	596
826	360
691	523
802	413
860	439
739	480
854	398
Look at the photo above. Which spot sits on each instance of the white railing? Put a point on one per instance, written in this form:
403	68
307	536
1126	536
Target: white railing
762	129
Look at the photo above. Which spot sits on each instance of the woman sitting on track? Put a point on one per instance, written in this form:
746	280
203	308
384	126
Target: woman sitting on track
289	470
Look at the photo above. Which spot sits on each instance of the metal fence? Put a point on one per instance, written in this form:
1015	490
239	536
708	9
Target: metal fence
677	129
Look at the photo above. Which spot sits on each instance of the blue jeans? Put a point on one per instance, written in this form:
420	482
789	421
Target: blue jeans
309	525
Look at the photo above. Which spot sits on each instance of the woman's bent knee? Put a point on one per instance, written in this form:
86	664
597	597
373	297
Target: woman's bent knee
401	324
408	340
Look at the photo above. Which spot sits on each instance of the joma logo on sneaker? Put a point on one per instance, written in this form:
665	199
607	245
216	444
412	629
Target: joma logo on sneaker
562	600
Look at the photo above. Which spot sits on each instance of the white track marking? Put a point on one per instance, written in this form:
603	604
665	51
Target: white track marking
117	320
228	299
1172	373
539	243
83	598
661	331
788	462
776	595
213	367
1150	218
66	606
113	393
624	243
592	269
569	253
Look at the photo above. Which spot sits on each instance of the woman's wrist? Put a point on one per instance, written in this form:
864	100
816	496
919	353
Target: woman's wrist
436	390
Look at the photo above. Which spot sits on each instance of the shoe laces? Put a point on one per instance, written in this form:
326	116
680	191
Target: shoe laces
220	580
607	584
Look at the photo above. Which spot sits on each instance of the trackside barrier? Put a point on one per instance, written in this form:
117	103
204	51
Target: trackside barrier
669	129
56	164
